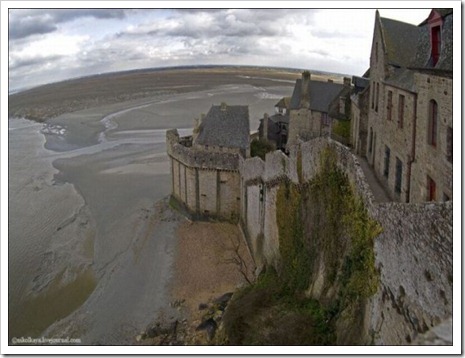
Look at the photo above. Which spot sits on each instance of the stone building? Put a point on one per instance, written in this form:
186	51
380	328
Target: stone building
359	114
409	122
275	128
310	107
204	167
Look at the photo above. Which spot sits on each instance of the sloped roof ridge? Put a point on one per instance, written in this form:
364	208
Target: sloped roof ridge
400	40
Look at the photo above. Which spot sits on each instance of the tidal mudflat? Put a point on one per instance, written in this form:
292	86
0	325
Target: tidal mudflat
91	242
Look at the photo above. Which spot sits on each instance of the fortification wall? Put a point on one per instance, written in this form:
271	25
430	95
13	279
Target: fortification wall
205	184
413	253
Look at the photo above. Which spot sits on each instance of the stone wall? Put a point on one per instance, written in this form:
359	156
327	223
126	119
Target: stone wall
432	161
206	184
413	253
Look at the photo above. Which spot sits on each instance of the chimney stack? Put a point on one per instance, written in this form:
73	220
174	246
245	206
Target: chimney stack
265	126
347	81
306	78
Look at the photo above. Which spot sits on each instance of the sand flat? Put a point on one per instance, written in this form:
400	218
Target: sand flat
119	173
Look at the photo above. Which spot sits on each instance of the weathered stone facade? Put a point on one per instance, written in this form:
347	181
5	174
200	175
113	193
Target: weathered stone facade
409	154
433	161
312	106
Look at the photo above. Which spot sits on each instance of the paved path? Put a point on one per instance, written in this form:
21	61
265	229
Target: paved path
378	190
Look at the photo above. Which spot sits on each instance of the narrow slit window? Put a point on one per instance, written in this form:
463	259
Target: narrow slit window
387	157
389	106
433	123
400	119
431	189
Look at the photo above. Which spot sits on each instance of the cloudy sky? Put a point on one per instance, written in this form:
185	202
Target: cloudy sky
52	45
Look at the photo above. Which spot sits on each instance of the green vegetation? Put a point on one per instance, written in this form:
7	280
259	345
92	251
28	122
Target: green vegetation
322	221
259	148
268	314
342	128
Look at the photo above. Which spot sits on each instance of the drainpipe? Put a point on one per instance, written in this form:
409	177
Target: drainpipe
411	158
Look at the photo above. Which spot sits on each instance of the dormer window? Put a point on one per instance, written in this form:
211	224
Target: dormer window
435	44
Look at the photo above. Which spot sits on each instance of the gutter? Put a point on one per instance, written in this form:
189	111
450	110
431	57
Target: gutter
411	157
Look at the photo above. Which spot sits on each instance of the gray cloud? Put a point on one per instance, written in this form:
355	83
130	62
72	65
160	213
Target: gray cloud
17	63
199	23
158	38
26	26
25	23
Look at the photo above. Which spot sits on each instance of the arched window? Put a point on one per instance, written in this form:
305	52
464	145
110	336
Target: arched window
433	123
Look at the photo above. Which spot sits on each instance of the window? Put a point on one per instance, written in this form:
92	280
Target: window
377	97
373	95
376	52
387	157
449	144
389	106
435	44
433	123
370	147
398	184
431	189
400	118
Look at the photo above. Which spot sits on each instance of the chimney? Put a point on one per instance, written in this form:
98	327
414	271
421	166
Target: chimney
330	80
347	81
197	123
265	126
304	100
223	106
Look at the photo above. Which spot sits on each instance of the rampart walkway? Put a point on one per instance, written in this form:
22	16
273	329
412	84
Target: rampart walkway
380	194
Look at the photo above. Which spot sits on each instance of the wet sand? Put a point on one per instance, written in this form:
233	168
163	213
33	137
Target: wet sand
107	232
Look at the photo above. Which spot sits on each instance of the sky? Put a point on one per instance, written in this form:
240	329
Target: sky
50	45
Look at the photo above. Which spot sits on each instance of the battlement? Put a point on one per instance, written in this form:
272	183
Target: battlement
181	149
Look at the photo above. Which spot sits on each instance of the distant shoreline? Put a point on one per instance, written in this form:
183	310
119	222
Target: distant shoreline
51	100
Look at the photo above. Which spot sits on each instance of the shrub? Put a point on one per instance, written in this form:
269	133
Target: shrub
259	148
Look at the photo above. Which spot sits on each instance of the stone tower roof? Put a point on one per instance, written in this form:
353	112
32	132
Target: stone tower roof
225	126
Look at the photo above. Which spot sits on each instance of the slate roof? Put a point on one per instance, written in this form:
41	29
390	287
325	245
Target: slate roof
403	78
319	94
274	129
296	95
226	126
423	49
400	41
409	49
280	118
360	83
